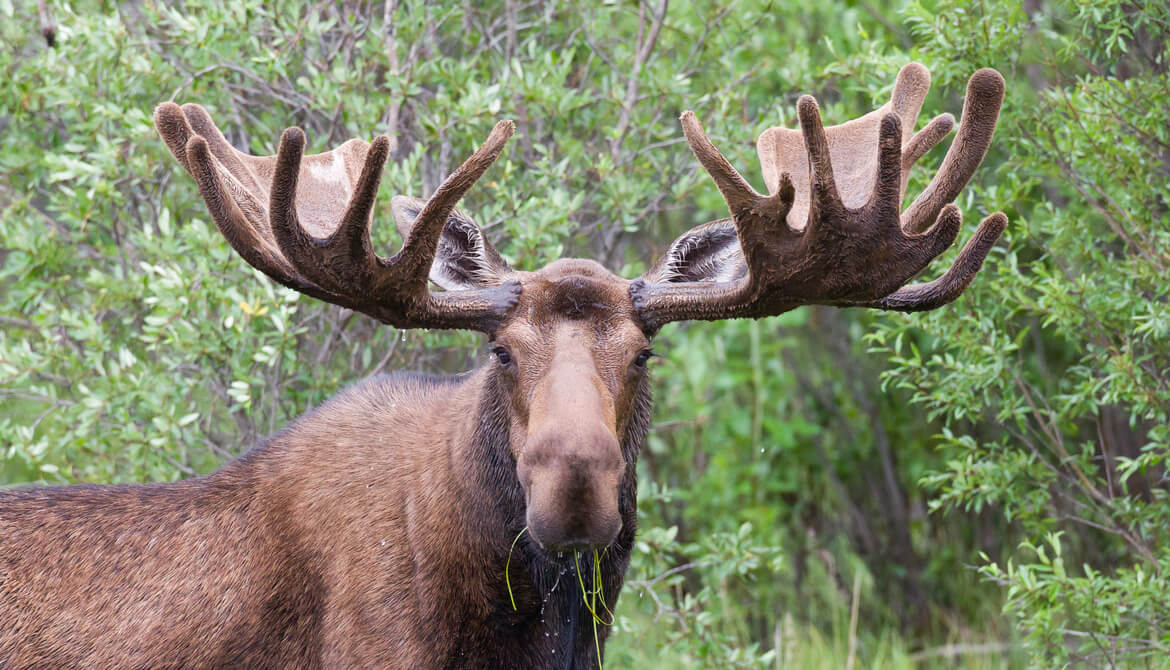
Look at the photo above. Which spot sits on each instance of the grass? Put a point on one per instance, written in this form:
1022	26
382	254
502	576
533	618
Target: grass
639	642
588	596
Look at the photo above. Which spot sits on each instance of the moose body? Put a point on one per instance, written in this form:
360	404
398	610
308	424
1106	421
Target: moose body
418	522
372	533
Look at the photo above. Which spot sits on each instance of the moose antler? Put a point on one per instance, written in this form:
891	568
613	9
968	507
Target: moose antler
831	230
305	221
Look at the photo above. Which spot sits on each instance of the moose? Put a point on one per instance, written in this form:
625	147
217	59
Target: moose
419	521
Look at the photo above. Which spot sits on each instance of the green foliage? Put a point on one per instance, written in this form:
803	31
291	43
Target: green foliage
1053	390
817	486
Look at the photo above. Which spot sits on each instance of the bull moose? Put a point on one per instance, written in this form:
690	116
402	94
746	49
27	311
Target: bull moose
374	531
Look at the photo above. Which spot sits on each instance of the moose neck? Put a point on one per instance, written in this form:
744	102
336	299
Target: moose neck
418	485
549	616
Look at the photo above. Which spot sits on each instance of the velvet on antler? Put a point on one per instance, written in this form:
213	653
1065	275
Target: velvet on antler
305	221
831	230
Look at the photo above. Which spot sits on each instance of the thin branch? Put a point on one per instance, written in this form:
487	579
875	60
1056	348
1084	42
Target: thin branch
15	322
389	31
645	47
951	651
647	583
179	466
48	26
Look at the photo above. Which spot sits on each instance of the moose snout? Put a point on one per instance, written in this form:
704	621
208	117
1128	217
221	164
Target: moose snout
572	491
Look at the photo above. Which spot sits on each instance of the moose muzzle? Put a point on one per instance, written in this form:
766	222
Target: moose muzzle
573	497
571	465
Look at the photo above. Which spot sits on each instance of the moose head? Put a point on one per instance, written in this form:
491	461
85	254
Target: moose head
570	341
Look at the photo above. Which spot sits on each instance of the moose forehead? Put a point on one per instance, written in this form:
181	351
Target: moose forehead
573	289
579	313
573	308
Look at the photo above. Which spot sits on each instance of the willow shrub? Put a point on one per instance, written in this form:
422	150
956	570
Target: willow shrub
1052	379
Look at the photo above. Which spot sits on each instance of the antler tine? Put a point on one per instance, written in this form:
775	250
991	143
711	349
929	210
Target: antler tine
175	131
825	199
223	151
292	240
923	141
945	289
742	200
886	199
193	153
418	251
395	289
737	193
243	237
985	92
345	258
352	236
910	89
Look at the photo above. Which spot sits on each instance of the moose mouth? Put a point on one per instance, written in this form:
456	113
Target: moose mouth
560	561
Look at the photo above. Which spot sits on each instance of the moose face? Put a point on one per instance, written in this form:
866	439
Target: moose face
573	361
570	357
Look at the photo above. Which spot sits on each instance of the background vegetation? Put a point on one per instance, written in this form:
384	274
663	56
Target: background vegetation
827	488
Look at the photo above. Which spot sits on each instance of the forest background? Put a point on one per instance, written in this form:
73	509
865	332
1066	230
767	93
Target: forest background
984	485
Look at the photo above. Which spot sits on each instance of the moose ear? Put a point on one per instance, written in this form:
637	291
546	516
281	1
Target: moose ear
464	259
709	253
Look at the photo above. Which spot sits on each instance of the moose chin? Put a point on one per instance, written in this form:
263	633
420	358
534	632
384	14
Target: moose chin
441	522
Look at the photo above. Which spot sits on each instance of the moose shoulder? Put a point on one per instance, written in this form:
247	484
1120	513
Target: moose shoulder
375	531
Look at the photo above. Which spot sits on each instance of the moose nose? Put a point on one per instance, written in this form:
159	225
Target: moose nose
572	491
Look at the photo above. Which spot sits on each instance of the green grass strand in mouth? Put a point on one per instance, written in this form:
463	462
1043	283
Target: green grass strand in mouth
508	565
588	597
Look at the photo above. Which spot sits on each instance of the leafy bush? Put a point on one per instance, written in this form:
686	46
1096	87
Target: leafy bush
1054	390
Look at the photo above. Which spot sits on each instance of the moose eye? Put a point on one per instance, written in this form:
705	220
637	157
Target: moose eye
643	356
503	356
